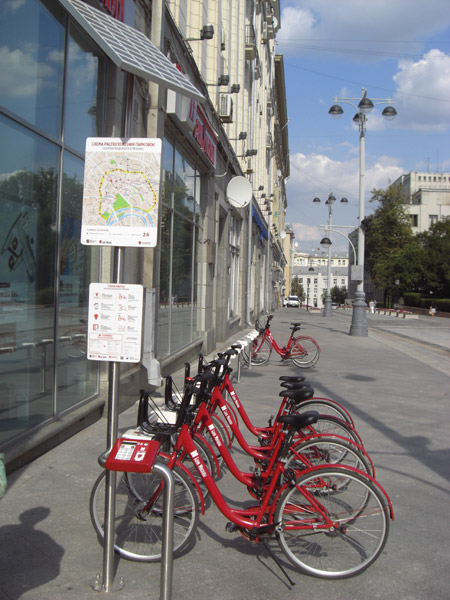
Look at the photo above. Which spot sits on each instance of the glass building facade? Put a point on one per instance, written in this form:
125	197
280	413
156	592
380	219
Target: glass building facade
51	99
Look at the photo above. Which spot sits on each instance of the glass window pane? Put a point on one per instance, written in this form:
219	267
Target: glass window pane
32	58
184	187
79	265
181	282
165	303
27	273
83	102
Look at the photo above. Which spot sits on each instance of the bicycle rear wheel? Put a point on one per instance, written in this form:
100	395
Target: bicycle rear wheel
327	424
261	351
327	407
304	352
360	523
327	450
138	533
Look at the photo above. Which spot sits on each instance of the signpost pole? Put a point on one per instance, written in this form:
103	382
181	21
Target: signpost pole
112	430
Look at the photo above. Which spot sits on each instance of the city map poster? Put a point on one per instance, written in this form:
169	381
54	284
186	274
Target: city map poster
121	191
115	322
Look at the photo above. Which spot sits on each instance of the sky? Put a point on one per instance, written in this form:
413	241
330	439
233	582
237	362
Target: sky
396	49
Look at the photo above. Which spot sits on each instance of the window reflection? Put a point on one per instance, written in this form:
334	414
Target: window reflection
78	265
32	59
83	105
177	321
27	260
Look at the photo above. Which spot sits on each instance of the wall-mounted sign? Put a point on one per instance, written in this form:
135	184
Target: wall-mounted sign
121	192
203	133
115	322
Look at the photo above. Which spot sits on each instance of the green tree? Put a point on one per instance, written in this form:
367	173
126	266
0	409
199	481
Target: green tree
392	252
297	288
339	294
436	248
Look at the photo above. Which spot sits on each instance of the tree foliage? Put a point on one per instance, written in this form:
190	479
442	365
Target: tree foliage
339	294
436	247
399	261
297	289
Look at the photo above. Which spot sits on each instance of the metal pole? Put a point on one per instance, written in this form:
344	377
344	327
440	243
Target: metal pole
327	312
359	317
111	476
167	540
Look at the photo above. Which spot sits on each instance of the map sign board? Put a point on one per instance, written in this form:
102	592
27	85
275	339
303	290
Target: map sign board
115	322
121	192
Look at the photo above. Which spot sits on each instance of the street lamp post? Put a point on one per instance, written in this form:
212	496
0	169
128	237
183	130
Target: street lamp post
326	243
365	105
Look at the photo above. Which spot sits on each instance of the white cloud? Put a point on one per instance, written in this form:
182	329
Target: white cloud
21	73
15	5
422	98
360	31
317	174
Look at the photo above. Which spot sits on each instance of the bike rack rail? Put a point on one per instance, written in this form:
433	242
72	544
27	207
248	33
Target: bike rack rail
106	584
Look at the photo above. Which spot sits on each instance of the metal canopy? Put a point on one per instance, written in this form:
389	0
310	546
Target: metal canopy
130	49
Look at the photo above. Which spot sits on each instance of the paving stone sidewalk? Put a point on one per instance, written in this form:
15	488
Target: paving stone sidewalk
48	548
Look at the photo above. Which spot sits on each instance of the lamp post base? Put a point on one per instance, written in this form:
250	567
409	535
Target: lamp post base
327	310
359	316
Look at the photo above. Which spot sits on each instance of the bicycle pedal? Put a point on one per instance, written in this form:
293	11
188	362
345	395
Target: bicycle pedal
231	527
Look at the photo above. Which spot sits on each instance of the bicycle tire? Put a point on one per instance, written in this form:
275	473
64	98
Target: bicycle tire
261	352
304	352
361	523
327	450
329	425
141	540
326	407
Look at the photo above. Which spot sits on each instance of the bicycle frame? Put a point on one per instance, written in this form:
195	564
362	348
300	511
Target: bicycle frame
269	433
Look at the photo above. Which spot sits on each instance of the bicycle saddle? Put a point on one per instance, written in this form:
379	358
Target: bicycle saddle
296	325
300	421
296	378
295	385
299	395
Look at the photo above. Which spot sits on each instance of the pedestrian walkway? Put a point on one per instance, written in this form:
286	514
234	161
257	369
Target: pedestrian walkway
48	548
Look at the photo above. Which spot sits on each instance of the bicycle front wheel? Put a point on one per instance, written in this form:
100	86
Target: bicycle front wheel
333	524
138	529
304	352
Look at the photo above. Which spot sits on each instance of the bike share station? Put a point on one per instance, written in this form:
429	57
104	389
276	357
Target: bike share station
120	208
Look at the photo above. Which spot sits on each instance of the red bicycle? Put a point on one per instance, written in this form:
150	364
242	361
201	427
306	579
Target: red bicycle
303	350
331	521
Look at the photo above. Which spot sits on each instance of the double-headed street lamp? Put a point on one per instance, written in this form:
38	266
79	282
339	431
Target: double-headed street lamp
326	243
365	105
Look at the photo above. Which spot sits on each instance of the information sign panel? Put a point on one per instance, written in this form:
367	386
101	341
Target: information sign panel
121	192
115	322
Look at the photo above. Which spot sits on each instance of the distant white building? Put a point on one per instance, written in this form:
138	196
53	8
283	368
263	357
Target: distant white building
428	197
312	272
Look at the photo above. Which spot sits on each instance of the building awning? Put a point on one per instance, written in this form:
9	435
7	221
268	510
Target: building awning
129	49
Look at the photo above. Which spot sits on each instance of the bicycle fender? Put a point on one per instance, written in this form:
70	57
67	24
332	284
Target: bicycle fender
210	450
178	463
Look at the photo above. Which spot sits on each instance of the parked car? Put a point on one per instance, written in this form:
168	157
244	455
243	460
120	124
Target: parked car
334	305
293	301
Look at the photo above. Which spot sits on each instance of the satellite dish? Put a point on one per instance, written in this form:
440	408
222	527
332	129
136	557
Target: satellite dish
239	191
282	234
274	22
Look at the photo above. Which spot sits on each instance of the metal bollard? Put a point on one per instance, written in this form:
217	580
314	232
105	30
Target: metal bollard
167	541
